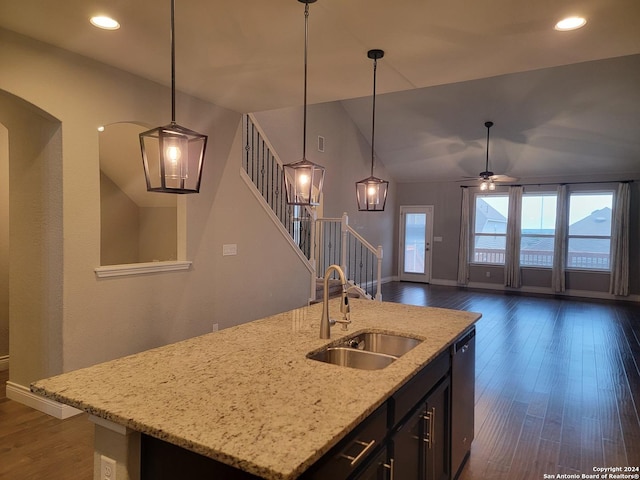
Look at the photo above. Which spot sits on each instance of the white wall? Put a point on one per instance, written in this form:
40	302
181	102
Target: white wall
4	241
93	320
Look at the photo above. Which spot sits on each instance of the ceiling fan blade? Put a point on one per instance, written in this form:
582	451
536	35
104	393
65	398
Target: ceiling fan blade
504	178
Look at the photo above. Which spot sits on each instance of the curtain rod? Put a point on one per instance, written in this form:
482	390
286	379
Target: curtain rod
553	183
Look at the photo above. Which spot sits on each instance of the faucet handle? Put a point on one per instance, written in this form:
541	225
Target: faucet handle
344	305
344	323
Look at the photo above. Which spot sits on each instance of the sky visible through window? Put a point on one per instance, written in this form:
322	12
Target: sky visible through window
582	206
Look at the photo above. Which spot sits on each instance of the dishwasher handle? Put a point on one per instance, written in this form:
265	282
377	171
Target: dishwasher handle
462	345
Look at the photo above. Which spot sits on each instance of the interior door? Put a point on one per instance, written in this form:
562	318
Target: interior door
416	237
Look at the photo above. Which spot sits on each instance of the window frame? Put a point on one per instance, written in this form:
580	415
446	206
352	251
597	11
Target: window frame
542	193
568	267
474	234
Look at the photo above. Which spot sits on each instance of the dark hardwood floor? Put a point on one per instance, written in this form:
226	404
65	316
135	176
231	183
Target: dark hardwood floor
557	381
35	446
557	391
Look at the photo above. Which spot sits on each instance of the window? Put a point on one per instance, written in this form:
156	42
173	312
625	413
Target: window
538	224
490	228
589	239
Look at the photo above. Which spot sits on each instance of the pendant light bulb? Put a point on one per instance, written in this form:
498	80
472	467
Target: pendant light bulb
371	192
304	179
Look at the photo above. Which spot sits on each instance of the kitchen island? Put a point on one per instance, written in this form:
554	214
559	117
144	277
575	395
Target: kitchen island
248	396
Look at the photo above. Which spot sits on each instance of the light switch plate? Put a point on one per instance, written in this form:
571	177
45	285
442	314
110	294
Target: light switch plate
229	249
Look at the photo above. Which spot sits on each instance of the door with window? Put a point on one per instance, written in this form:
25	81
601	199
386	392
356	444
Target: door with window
416	238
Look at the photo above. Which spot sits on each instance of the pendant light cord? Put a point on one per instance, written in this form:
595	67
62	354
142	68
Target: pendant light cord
373	116
306	43
173	64
486	165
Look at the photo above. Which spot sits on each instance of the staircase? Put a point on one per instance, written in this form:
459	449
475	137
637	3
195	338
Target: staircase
319	242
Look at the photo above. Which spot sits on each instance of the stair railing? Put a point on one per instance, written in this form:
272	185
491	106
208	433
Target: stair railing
338	243
262	168
318	242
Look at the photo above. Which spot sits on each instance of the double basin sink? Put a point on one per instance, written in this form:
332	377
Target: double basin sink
366	350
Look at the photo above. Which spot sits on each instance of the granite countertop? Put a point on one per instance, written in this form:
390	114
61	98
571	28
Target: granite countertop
247	395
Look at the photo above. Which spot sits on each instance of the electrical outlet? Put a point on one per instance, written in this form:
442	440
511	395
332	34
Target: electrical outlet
107	468
215	327
488	274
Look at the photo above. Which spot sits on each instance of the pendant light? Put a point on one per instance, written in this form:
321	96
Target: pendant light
173	155
303	179
487	180
371	192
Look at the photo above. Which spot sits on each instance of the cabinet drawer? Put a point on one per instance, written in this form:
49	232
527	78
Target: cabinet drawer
405	399
354	451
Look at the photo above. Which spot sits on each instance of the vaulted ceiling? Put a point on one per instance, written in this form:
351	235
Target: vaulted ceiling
563	103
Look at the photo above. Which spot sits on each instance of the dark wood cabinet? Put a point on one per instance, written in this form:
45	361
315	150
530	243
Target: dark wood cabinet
437	423
420	445
378	467
357	452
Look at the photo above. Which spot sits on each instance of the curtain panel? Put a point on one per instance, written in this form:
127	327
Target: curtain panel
619	283
560	241
512	276
465	246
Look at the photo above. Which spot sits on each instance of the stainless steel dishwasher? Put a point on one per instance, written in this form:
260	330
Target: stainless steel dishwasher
463	381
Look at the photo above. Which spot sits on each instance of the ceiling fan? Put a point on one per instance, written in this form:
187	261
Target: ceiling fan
487	177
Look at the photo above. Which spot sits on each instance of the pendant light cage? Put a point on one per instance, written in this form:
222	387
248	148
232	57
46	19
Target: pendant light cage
371	192
304	179
173	155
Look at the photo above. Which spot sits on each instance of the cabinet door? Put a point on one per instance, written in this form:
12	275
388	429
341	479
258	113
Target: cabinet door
354	452
436	434
408	442
378	468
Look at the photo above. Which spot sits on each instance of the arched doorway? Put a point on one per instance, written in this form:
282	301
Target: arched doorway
34	265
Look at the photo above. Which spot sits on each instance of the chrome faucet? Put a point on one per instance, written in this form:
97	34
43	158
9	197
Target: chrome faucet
325	322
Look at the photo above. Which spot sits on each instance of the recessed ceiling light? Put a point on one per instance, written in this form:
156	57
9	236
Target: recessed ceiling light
106	23
570	23
101	128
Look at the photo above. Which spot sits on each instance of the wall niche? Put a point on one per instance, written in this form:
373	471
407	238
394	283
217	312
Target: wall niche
136	226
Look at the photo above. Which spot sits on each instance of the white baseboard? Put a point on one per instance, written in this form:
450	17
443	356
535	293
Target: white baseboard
549	291
4	363
25	396
446	283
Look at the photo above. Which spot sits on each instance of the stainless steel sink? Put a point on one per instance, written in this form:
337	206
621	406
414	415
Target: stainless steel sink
350	357
396	345
366	350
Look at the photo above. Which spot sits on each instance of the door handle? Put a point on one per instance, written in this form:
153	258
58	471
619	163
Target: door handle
429	421
391	469
357	458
